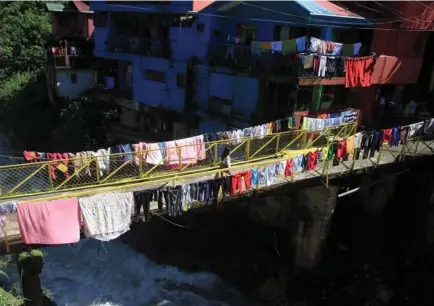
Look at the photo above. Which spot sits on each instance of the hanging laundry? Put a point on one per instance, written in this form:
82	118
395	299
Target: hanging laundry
254	178
358	140
103	161
377	141
107	216
174	206
281	167
50	222
331	66
297	163
428	128
172	153
322	66
288	167
387	135
308	61
8	207
124	149
289	45
236	184
186	197
301	44
415	130
403	134
342	149
200	145
267	175
350	145
31	156
82	161
276	46
143	199
358	71
266	46
206	191
351	49
256	47
396	134
153	154
59	161
349	115
312	160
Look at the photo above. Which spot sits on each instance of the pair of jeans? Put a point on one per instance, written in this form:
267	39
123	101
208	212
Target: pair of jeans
142	199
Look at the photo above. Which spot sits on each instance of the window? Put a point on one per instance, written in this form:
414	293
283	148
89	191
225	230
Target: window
156	76
217	33
100	19
73	78
200	27
180	80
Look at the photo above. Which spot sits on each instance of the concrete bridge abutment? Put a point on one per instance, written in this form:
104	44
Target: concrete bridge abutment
316	206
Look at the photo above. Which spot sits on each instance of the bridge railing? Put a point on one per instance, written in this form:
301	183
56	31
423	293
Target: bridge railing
38	178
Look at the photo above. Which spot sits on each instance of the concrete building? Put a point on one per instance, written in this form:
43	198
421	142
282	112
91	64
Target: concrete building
176	72
68	51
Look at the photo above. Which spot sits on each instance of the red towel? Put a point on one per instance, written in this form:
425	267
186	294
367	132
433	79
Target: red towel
358	71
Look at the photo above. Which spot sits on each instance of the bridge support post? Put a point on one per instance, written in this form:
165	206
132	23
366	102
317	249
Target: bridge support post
29	267
316	206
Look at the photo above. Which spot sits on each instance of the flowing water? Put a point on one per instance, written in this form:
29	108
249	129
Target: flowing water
80	275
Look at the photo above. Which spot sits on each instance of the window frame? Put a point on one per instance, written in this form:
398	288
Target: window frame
155	75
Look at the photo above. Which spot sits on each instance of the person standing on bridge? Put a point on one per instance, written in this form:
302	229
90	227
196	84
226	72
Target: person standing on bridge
225	162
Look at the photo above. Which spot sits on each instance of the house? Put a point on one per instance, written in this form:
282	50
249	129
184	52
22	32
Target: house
68	51
179	67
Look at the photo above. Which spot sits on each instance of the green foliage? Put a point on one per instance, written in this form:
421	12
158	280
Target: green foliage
24	25
31	260
8	298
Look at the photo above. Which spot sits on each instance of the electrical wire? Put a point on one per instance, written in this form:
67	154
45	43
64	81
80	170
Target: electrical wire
288	22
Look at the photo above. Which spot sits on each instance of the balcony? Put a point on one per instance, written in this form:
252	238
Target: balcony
139	46
69	53
241	58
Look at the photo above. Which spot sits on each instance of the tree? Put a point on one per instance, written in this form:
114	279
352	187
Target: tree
24	25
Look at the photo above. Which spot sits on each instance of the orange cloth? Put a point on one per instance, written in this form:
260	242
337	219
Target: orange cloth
350	144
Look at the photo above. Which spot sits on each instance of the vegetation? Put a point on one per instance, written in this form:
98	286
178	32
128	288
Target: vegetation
8	298
32	260
26	113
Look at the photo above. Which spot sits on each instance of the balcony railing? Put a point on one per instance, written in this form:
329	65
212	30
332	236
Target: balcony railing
242	58
70	61
139	45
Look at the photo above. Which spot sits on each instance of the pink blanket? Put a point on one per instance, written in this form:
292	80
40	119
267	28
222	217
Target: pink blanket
51	222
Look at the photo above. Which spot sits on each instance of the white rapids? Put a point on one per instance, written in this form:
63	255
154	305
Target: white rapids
78	276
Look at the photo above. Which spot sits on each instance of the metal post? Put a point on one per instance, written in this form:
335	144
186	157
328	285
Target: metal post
50	179
277	143
97	169
379	155
248	148
141	163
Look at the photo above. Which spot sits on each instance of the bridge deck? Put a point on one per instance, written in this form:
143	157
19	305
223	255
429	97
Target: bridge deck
387	155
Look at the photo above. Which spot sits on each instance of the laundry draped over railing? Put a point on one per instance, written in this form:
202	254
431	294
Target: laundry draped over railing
327	120
107	216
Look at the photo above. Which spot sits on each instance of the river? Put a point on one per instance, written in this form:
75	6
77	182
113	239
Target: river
78	276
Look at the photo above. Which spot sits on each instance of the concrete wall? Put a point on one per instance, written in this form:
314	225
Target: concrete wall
65	87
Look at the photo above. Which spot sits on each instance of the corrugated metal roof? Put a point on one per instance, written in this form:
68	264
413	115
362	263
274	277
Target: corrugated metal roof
58	7
326	8
82	7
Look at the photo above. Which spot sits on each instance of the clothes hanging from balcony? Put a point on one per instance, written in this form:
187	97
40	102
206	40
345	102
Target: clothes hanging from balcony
281	167
323	47
301	44
289	45
297	163
350	144
308	61
59	161
254	177
312	160
107	216
322	66
276	46
256	47
266	46
288	167
49	222
32	156
331	66
358	71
